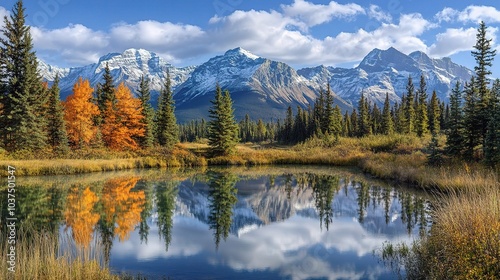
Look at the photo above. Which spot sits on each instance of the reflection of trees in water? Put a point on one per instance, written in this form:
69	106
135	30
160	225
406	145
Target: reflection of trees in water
147	209
222	198
120	210
165	193
368	198
80	215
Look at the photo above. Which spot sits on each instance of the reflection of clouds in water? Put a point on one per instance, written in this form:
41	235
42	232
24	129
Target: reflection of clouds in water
296	247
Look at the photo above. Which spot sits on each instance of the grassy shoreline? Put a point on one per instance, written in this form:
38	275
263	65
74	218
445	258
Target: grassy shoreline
398	157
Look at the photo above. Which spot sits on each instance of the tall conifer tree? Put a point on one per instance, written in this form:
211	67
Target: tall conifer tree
56	128
22	96
167	129
492	139
223	129
409	108
484	55
387	121
422	117
455	131
147	112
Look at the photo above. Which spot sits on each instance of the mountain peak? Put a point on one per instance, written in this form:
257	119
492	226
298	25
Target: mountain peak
377	59
240	51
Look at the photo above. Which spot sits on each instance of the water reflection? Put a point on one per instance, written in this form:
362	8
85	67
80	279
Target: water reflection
296	225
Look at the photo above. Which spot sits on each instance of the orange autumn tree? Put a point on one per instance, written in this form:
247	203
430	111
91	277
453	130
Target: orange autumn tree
123	120
79	112
80	216
122	206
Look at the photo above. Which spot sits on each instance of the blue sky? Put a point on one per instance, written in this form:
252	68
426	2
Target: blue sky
300	32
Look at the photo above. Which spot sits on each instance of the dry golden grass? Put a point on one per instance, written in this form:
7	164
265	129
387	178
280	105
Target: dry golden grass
464	241
39	258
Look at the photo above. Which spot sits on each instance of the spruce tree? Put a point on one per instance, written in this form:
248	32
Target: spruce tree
167	129
492	139
409	108
147	112
288	127
336	123
56	126
364	127
471	129
223	130
22	96
434	126
387	127
105	94
484	55
422	118
455	131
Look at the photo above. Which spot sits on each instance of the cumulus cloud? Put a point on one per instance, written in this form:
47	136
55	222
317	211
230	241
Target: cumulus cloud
313	14
375	12
447	14
471	13
267	33
455	40
452	41
74	43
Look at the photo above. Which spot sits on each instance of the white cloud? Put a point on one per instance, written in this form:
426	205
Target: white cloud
74	43
455	40
471	13
313	14
377	13
447	14
452	41
3	12
477	13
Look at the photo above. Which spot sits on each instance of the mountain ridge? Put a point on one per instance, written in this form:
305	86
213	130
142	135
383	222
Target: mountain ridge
264	88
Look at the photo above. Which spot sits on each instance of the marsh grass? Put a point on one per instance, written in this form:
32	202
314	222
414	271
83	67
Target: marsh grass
38	256
464	241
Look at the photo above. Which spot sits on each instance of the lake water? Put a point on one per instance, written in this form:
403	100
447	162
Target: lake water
243	223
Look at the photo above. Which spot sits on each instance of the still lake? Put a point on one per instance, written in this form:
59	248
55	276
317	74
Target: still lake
228	223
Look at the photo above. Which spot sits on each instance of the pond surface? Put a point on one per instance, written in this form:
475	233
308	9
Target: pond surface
253	223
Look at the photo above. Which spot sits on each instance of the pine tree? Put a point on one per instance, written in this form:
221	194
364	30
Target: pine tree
492	139
22	96
56	127
79	113
167	129
422	123
471	130
147	113
409	108
364	127
434	126
288	127
434	157
336	123
387	127
223	130
107	90
455	131
484	55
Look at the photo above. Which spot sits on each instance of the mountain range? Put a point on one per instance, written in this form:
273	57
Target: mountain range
264	88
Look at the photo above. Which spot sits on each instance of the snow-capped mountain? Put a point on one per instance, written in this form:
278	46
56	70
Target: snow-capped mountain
128	67
387	71
259	87
264	88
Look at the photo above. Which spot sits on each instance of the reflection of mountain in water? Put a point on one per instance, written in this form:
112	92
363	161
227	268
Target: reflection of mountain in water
273	199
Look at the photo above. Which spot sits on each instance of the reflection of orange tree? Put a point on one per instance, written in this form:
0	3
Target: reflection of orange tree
122	205
79	214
